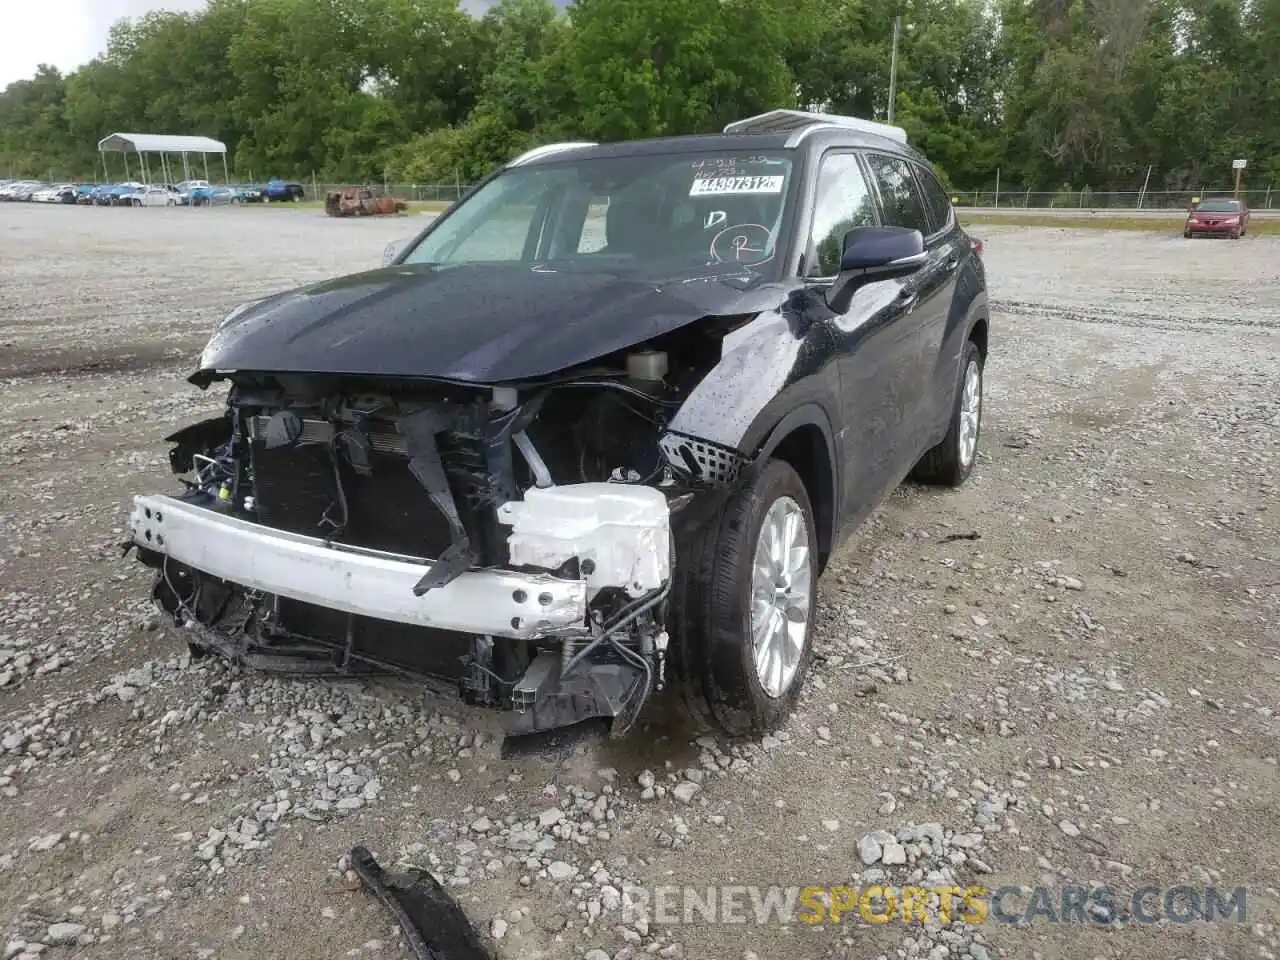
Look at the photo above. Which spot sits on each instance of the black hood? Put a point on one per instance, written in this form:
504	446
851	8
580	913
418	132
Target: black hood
476	323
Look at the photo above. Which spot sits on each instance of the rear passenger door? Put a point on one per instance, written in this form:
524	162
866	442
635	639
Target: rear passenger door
929	292
873	342
943	343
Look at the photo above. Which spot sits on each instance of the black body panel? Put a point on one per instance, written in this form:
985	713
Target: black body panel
481	323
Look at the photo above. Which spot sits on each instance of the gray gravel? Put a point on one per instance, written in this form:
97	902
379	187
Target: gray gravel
1063	674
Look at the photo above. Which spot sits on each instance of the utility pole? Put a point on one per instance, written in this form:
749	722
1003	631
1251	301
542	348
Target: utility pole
893	65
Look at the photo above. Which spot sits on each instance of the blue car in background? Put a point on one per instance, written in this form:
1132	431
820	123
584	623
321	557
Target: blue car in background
121	195
222	195
284	190
211	196
100	196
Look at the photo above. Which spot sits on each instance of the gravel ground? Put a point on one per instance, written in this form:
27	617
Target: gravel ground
1064	674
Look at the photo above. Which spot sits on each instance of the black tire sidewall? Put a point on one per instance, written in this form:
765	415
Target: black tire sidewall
731	685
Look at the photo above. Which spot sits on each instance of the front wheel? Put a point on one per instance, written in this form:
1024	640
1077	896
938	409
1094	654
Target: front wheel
950	462
746	606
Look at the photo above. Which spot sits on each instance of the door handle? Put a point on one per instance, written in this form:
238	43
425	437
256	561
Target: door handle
953	261
908	299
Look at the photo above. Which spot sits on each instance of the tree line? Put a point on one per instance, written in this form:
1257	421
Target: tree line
1055	94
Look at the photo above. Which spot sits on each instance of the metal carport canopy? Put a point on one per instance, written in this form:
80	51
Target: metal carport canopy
159	143
162	143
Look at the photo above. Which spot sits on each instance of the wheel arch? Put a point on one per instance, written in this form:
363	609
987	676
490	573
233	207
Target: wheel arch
803	439
979	331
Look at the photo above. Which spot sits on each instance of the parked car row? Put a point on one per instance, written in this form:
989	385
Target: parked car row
133	193
37	191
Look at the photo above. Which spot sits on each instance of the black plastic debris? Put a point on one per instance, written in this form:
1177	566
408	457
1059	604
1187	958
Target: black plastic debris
435	927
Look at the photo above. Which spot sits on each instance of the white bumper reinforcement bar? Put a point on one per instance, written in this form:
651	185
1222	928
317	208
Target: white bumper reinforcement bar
364	582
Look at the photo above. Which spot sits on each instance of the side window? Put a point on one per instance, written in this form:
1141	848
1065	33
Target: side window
842	202
903	205
935	198
593	228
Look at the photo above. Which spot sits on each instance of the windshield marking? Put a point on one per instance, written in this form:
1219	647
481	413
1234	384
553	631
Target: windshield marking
719	186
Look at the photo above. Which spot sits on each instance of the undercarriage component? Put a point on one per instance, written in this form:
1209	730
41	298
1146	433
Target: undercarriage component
355	580
613	691
436	531
427	466
434	926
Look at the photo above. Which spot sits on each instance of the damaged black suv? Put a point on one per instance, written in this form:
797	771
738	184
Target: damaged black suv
594	431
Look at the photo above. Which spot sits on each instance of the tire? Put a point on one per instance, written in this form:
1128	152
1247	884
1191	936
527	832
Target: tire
1186	234
950	462
717	655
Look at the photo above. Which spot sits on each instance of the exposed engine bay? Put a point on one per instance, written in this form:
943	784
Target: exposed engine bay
512	542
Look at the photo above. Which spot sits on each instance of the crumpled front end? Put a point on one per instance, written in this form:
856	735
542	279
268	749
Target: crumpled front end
514	544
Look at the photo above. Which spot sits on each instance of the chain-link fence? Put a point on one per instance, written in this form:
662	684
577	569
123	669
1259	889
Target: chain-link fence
1011	198
433	192
1087	199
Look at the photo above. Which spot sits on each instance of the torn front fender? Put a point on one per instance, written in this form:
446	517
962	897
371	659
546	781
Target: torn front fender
782	360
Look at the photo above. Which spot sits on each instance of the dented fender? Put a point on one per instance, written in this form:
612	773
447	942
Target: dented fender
782	359
777	374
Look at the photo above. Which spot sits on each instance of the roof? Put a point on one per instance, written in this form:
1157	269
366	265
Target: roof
159	143
820	135
792	121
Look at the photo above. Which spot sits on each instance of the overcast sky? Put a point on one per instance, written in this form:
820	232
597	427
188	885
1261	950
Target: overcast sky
65	33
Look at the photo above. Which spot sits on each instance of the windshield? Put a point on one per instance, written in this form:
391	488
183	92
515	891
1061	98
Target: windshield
649	214
1219	206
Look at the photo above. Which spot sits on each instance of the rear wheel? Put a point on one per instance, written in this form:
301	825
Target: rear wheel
950	462
746	606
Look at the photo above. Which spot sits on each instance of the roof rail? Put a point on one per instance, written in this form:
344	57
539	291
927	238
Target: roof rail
547	149
800	122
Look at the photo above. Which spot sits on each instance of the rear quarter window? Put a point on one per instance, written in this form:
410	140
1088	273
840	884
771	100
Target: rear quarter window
903	203
935	198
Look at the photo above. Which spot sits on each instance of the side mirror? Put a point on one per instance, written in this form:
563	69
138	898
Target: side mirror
392	250
871	254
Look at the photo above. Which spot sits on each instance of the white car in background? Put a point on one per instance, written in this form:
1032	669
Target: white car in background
52	194
20	190
152	196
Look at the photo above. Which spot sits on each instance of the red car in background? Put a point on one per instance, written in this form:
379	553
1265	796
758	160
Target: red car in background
1216	217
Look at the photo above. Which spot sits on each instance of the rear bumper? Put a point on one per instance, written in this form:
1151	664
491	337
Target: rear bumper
363	582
